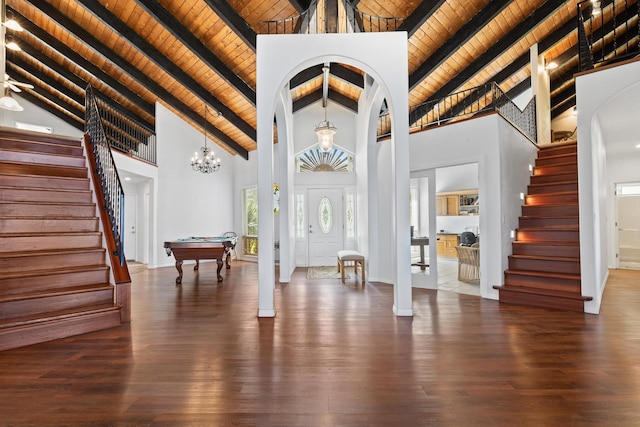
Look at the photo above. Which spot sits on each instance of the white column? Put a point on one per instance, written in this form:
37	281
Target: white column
266	268
541	89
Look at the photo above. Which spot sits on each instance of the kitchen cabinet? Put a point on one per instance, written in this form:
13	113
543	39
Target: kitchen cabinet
447	245
458	203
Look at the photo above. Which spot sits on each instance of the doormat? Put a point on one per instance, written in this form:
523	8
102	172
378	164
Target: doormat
327	272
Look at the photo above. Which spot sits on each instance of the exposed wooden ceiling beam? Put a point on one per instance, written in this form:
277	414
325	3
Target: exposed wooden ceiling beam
300	5
228	14
532	21
75	58
462	36
53	111
316	96
145	48
305	76
347	75
187	38
419	16
46	79
79	83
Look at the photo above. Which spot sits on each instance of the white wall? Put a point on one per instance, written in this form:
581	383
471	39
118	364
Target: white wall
189	203
622	168
502	154
598	94
35	115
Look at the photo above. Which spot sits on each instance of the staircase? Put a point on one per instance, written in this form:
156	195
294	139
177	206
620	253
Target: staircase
544	269
54	280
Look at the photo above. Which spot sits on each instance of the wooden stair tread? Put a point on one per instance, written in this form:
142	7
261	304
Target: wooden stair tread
56	315
546	243
52	271
52	233
542	291
70	290
6	255
545	258
57	190
566	276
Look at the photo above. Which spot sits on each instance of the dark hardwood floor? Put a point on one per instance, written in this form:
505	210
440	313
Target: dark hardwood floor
335	355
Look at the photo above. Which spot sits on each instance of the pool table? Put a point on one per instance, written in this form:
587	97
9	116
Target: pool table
197	248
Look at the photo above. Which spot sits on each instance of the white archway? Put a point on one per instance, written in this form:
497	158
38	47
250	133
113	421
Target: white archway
280	57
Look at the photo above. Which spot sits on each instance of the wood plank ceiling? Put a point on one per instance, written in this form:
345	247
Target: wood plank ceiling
184	54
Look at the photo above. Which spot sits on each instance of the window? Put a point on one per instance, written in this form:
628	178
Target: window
300	231
325	215
250	220
351	216
316	160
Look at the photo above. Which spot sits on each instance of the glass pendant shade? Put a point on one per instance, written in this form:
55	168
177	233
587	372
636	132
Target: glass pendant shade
325	131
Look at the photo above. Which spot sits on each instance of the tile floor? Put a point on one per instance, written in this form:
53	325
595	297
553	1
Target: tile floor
448	277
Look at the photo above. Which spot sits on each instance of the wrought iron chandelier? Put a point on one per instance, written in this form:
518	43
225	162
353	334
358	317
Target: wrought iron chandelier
208	163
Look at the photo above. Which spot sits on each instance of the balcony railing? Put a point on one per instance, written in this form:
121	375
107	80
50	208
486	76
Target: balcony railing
349	20
608	31
125	134
465	104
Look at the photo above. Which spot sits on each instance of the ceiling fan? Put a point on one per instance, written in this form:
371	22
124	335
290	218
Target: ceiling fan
14	85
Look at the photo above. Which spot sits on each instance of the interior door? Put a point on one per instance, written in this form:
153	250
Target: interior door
629	231
326	225
130	226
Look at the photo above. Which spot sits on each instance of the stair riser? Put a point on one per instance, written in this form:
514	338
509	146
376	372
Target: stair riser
23	209
536	249
49	182
553	178
47	331
555	169
45	170
41	158
547	265
9	133
18	285
43	225
550	222
541	301
558	151
30	195
40	147
553	188
548	235
540	282
31	306
552	199
550	211
49	242
558	159
51	261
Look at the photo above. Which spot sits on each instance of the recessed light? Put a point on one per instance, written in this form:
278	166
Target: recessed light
637	145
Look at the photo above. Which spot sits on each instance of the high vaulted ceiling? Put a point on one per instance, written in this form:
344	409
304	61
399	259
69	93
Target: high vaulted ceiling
184	54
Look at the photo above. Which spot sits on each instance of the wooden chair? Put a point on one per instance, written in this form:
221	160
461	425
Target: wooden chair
232	234
468	264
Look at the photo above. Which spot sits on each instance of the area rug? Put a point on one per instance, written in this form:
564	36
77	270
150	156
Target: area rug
327	272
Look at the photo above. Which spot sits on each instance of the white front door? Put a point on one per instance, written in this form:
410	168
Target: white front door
130	225
326	225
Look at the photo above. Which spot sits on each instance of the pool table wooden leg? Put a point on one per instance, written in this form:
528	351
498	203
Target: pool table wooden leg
219	262
179	268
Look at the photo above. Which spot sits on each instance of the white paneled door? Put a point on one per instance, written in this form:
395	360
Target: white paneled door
326	225
130	225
